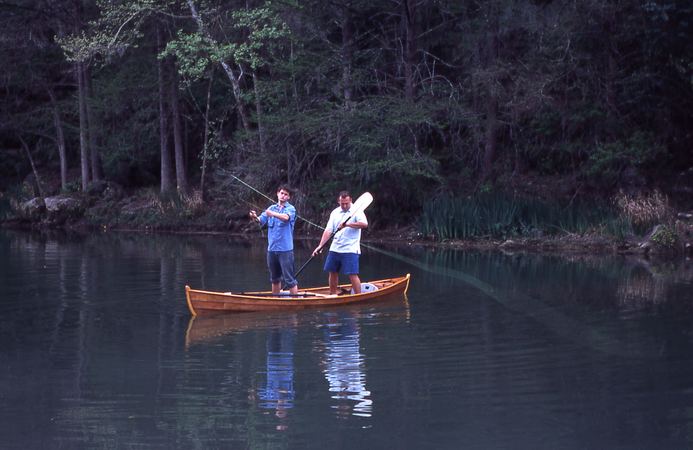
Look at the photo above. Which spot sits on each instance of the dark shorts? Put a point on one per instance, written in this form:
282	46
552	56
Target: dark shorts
281	268
345	263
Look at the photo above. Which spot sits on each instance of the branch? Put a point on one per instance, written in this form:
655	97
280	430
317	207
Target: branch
121	27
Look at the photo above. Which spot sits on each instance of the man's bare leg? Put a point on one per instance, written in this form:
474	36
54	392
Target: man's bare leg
333	279
355	283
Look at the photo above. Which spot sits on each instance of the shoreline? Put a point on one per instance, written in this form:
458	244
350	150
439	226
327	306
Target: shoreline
564	245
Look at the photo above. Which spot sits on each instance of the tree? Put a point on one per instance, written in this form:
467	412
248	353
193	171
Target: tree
166	182
81	57
35	102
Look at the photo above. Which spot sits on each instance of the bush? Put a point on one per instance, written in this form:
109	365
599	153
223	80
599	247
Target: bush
610	160
644	210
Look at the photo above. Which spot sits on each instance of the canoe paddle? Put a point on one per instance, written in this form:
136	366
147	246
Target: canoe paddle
359	205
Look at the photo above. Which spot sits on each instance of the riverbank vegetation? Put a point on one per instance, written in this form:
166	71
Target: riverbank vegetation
499	119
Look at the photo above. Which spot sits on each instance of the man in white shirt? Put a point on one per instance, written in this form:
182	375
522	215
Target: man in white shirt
345	250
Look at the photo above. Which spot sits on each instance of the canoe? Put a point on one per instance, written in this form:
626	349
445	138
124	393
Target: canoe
209	302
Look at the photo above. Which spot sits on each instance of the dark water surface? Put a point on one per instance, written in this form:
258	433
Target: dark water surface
488	351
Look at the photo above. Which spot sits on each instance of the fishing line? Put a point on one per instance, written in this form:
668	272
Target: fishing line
548	316
477	283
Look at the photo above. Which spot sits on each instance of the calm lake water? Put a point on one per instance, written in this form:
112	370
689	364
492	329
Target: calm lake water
488	351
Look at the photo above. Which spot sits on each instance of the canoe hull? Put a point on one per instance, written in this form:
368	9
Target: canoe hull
209	302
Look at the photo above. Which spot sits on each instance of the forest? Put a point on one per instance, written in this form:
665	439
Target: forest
464	118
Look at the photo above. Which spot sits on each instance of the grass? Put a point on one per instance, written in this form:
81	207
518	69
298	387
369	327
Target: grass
497	215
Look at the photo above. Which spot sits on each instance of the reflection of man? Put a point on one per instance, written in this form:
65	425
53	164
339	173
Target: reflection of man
344	366
278	391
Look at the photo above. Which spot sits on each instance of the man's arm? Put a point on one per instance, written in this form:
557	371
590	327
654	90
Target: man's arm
358	225
323	240
359	221
326	235
283	216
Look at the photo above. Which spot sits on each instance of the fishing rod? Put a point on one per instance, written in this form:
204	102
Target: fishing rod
273	200
299	217
360	204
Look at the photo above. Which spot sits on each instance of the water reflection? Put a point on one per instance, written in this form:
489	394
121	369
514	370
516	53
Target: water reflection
97	349
277	392
344	365
562	293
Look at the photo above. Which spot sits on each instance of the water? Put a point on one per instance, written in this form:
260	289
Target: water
98	350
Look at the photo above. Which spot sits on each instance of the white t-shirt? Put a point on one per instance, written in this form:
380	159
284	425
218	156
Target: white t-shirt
347	240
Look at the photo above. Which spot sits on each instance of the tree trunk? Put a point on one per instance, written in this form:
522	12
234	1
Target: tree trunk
83	137
179	150
611	71
33	166
95	158
259	112
347	57
491	132
490	136
166	163
409	18
60	139
235	85
206	138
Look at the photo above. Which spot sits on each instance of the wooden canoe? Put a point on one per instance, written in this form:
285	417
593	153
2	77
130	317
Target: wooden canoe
208	302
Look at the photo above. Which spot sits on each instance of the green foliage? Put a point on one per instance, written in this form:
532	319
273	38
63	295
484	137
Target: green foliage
118	26
266	34
148	208
127	105
258	37
610	160
73	186
194	54
665	237
618	227
488	215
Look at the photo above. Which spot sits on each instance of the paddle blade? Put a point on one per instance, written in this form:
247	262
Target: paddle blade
362	202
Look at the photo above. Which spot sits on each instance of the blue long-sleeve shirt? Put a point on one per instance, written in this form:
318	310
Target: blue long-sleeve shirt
280	234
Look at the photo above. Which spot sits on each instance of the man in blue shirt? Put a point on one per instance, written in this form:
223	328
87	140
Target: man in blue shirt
280	219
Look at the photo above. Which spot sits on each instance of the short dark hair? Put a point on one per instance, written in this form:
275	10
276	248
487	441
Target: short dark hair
344	194
285	188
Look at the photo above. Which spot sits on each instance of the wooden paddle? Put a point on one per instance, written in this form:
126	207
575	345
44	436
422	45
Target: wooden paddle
359	205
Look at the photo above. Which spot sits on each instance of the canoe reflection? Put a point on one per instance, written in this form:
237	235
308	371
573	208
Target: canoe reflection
204	329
